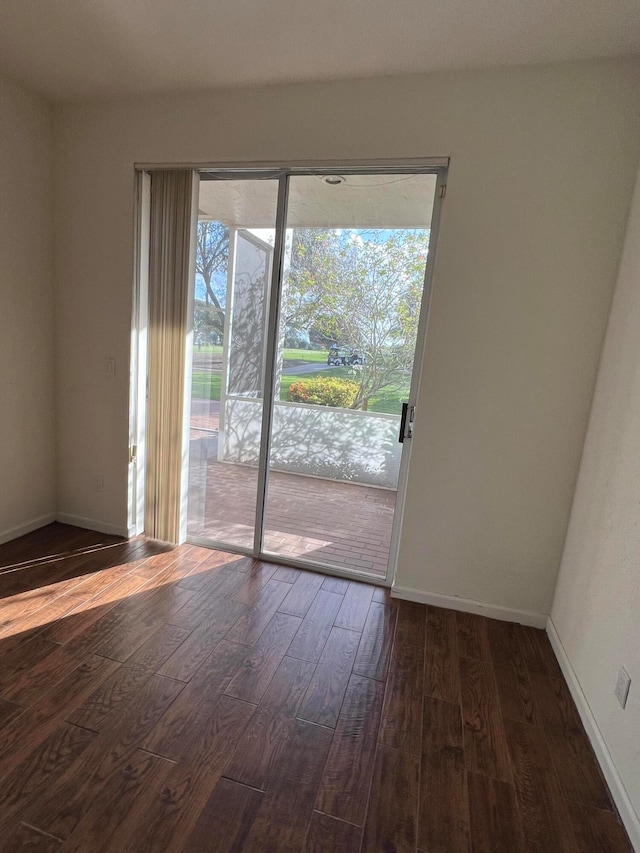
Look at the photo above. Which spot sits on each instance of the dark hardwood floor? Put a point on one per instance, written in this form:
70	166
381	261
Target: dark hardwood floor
192	700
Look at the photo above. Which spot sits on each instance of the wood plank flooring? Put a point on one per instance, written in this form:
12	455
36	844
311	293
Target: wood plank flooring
191	700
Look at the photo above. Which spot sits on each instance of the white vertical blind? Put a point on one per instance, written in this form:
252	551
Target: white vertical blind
171	249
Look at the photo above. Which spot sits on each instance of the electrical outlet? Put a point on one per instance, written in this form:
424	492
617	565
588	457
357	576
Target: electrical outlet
110	367
622	686
98	483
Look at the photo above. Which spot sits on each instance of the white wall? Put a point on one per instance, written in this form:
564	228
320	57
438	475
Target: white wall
539	190
27	445
596	610
321	441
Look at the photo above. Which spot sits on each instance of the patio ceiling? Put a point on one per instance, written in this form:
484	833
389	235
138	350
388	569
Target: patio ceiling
362	201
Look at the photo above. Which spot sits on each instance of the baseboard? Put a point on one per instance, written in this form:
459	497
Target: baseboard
466	605
27	527
93	524
625	807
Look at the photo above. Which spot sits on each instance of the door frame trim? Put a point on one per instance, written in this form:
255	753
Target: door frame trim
304	167
139	354
282	171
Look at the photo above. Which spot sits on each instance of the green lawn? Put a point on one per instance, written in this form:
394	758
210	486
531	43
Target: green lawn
389	401
206	385
305	355
208	348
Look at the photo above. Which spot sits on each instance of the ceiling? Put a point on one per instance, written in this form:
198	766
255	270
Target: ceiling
69	49
362	201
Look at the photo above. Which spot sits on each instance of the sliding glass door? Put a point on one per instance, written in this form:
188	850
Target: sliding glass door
310	311
234	270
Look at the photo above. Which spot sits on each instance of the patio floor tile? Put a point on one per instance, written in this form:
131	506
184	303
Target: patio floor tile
328	522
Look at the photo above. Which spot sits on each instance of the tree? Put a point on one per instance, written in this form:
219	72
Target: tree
206	323
212	258
363	289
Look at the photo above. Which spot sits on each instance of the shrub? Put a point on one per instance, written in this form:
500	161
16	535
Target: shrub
324	391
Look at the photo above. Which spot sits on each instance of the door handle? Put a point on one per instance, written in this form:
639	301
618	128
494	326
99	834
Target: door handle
406	422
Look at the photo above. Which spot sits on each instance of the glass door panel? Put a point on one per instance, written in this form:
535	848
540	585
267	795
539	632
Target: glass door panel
236	232
350	305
